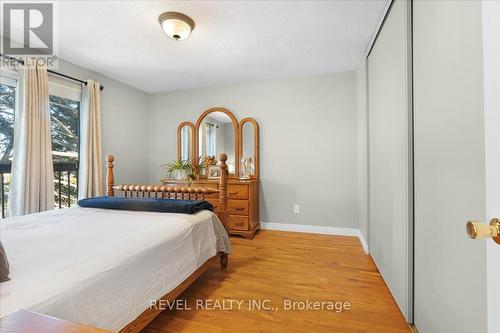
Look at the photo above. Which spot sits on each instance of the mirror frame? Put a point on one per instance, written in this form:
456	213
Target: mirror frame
236	138
193	142
255	143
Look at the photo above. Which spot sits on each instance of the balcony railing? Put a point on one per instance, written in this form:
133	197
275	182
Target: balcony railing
65	184
4	185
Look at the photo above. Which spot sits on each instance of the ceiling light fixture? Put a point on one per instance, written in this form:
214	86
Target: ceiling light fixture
176	25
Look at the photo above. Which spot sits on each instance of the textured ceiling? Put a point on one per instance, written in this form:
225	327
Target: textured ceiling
234	41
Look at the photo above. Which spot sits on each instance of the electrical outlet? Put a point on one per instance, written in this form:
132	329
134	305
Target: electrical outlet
296	209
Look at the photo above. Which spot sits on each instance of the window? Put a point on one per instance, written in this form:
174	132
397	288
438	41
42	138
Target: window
64	105
7	106
64	117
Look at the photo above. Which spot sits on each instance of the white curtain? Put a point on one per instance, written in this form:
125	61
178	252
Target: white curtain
90	173
203	140
32	187
211	139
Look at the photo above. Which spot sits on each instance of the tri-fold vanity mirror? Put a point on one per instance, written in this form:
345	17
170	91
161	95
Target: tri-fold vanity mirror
217	130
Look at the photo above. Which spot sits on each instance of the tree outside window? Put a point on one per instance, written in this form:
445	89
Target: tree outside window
65	120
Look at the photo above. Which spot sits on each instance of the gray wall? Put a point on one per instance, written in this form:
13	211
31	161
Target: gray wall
308	142
362	145
450	269
124	124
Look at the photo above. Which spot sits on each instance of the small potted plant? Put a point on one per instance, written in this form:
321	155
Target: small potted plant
183	170
179	169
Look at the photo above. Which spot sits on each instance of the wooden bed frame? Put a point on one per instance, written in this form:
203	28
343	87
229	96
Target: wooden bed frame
185	193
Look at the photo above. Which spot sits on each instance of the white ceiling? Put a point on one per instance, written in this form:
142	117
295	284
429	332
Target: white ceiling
233	41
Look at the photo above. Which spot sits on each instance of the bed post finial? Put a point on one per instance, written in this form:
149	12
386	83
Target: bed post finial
223	159
223	191
110	178
223	203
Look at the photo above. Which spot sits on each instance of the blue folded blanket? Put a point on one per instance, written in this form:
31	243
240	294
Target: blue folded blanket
160	205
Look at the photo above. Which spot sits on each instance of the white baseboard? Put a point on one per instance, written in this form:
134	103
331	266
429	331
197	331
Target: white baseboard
364	243
316	229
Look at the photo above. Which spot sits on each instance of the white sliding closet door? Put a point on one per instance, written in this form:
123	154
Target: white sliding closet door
389	161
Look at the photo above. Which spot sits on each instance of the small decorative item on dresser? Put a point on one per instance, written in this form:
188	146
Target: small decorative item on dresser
246	167
210	160
213	172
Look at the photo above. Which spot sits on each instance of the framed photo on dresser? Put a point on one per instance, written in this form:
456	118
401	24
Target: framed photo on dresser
213	172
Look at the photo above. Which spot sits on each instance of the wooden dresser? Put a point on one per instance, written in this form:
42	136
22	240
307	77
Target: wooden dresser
217	131
242	203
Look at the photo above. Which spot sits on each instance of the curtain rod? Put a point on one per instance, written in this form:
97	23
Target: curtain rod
101	87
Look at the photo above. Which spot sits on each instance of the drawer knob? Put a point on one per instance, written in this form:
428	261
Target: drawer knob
232	192
240	208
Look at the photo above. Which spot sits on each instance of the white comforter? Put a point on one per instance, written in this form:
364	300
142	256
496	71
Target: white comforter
102	267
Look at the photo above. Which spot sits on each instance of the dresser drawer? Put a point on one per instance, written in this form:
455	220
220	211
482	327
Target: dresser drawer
238	222
237	191
237	207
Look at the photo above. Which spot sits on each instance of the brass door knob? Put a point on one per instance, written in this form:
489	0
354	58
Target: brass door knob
479	230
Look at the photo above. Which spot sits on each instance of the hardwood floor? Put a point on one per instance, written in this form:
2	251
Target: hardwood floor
279	266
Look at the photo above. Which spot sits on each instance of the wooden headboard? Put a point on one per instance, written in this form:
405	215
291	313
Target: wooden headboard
184	192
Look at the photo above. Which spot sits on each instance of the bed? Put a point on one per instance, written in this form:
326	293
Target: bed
104	267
